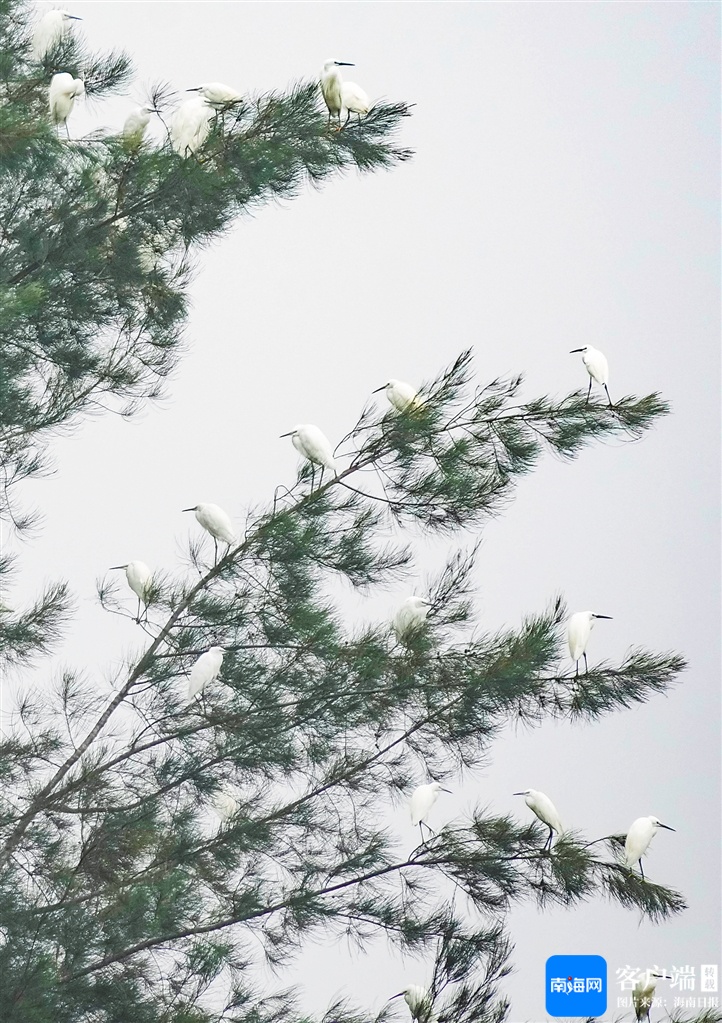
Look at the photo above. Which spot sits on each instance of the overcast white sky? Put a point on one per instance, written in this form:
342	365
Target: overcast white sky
564	192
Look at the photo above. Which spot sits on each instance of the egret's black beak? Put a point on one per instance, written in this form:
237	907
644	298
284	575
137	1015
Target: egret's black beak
399	995
608	617
381	388
576	350
187	509
667	827
114	568
447	790
196	88
289	434
518	793
346	63
74	17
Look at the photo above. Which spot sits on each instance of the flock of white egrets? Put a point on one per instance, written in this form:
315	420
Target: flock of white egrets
191	120
189	127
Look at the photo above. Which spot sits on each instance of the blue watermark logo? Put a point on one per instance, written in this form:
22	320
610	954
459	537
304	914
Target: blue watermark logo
576	986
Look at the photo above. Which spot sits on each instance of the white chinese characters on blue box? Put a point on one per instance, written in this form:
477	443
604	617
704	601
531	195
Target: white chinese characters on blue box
576	986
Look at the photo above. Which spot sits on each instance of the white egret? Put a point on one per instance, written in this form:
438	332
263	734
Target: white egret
190	125
63	91
51	28
135	125
418	1000
315	447
217	94
597	367
410	617
639	836
578	632
402	396
643	992
215	521
205	670
331	85
224	803
139	578
545	810
354	100
421	802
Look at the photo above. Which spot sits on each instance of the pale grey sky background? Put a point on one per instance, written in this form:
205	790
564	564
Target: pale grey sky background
564	191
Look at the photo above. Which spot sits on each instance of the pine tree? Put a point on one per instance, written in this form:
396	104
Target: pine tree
150	844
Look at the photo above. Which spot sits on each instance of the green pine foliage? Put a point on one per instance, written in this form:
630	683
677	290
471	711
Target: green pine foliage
123	895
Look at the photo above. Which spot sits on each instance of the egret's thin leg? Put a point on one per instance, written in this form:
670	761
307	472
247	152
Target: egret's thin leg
67	131
421	832
641	870
320	482
586	664
589	391
576	673
137	613
608	398
215	551
313	476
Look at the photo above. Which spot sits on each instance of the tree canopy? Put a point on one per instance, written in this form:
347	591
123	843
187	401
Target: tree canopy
153	847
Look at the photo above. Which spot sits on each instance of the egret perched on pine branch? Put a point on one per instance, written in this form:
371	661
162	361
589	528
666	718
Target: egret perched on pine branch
597	368
331	86
354	100
402	396
215	521
205	670
643	992
638	838
545	810
62	93
410	617
135	125
139	578
419	1002
190	125
217	94
225	804
578	632
421	802
315	447
51	28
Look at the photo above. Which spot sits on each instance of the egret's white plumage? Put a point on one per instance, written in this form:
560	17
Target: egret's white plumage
217	94
597	367
578	631
401	395
418	1000
354	100
313	444
638	838
51	28
136	124
224	803
205	670
214	520
421	802
331	86
643	992
190	125
410	617
62	93
545	810
139	577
